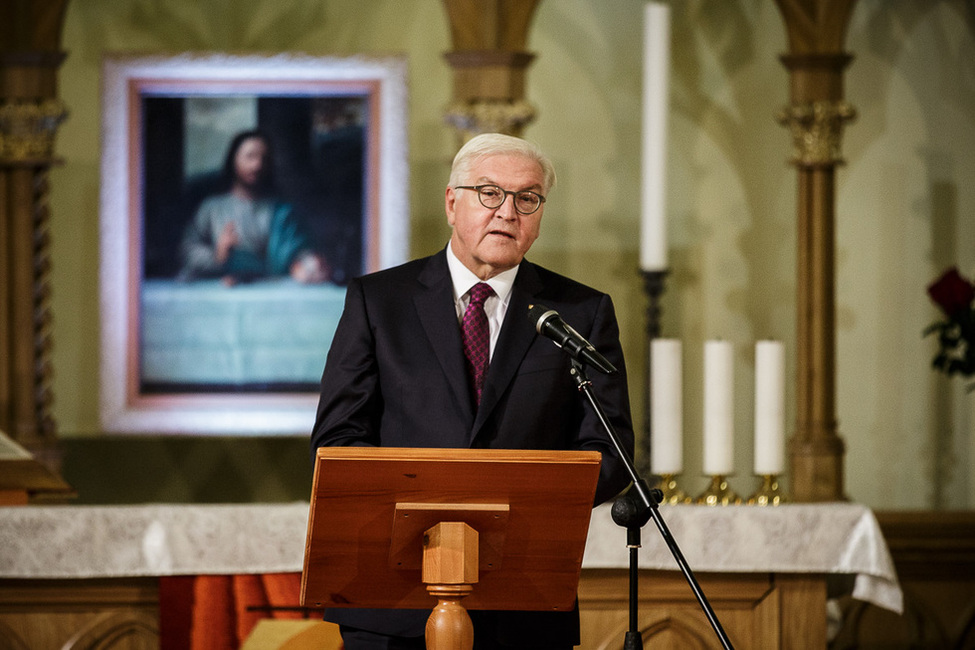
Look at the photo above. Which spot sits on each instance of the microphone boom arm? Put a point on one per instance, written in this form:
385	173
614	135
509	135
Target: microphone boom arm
632	513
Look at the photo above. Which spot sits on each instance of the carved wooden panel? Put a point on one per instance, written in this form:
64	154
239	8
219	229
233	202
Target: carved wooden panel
937	563
79	614
755	610
934	553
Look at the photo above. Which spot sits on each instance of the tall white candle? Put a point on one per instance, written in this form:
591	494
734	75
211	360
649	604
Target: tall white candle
718	408
769	407
666	409
656	82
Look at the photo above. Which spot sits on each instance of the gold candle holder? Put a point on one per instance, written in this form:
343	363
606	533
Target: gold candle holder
673	494
719	493
768	493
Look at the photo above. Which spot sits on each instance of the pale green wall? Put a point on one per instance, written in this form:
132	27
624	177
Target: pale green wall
902	201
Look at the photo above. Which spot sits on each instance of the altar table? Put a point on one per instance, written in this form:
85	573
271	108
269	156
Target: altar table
765	570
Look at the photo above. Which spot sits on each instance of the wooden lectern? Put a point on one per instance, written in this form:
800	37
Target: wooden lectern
419	528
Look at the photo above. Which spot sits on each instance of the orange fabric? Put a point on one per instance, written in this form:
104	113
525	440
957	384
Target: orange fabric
213	614
219	612
250	603
284	594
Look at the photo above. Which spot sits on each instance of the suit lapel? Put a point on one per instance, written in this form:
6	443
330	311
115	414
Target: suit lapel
435	308
515	338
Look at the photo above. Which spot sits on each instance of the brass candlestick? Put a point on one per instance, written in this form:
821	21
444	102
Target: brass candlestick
719	493
768	493
673	494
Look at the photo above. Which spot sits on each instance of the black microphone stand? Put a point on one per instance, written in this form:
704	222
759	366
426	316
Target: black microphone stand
632	511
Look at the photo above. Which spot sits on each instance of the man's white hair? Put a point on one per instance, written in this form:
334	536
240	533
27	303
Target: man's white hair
494	144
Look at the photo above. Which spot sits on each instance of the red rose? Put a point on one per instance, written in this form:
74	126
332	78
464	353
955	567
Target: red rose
952	292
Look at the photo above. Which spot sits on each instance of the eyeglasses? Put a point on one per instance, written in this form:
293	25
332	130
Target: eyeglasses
492	196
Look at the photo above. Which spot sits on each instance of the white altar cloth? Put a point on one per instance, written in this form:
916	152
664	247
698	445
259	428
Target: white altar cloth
834	538
156	540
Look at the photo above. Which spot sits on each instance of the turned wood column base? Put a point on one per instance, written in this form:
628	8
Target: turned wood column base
450	556
817	469
449	626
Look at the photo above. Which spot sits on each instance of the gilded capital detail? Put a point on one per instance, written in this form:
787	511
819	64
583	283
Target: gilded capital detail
489	116
817	130
28	128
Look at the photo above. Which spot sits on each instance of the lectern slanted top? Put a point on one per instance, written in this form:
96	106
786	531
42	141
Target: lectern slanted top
531	508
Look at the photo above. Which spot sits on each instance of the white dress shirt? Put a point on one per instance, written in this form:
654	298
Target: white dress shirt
495	307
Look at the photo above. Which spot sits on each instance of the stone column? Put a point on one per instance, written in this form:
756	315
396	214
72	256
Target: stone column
489	63
816	117
30	113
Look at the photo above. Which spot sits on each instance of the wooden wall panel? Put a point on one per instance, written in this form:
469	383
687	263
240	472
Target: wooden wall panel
117	614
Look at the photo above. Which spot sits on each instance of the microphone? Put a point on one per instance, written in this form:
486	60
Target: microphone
548	323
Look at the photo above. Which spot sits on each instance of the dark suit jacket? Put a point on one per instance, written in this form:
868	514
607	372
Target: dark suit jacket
395	377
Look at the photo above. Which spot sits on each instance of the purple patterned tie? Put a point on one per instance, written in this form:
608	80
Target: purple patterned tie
477	337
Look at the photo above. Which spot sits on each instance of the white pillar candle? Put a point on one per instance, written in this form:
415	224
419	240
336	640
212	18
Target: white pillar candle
656	81
769	407
666	423
718	408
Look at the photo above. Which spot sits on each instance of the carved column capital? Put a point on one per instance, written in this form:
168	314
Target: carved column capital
489	65
489	116
817	131
28	129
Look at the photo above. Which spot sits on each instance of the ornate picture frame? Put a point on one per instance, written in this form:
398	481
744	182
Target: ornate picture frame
205	347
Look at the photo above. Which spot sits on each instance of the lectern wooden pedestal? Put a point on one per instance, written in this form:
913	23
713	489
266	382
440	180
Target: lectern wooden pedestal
448	530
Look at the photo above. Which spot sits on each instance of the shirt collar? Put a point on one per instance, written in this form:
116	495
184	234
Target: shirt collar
463	279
